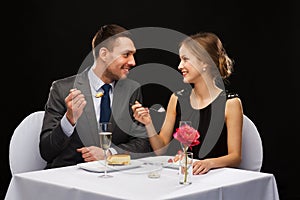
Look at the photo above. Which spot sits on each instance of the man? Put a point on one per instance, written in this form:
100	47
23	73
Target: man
69	134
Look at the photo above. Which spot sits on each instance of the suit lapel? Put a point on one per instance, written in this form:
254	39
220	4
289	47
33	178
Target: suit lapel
87	126
120	109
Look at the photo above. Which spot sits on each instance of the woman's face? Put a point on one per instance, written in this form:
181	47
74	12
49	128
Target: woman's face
189	65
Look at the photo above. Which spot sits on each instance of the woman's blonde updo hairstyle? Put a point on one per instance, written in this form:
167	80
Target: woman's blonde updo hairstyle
208	47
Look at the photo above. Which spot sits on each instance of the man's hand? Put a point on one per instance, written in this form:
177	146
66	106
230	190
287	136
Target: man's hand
91	153
75	103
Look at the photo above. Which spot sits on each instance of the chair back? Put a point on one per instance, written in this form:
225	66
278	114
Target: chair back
24	153
252	148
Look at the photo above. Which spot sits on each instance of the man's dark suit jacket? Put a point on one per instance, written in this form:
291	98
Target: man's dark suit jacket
128	136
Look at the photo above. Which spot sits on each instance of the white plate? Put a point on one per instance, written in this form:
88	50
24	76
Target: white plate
163	160
99	166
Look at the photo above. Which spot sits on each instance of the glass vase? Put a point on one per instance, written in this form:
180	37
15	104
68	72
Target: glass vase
186	168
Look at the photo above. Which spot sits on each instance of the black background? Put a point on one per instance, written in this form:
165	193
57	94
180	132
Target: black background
47	40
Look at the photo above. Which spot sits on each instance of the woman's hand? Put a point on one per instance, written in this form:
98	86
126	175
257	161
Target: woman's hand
201	166
141	113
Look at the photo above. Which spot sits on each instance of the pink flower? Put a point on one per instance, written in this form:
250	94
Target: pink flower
187	135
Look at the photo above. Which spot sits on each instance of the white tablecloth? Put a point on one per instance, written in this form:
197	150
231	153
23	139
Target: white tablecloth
73	183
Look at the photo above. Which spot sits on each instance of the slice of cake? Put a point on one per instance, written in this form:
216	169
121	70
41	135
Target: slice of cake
119	159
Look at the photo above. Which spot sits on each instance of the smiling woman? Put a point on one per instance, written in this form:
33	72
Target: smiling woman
216	114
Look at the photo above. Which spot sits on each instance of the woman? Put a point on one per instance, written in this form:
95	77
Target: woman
217	115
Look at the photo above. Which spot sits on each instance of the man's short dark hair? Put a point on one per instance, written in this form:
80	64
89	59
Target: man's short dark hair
106	36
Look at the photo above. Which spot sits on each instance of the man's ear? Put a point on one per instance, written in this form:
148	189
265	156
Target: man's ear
103	53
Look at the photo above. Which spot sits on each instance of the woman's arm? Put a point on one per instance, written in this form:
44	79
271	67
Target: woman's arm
158	141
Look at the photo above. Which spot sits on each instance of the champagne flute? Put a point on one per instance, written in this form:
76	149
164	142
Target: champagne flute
105	134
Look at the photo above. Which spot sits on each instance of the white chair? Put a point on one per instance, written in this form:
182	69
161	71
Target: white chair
252	149
24	154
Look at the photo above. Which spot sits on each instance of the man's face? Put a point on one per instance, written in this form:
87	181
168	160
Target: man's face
120	60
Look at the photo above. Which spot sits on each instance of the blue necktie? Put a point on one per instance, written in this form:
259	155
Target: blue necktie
105	104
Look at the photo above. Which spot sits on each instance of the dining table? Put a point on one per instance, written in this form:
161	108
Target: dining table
83	182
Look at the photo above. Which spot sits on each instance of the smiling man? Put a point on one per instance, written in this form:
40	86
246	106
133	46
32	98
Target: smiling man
74	107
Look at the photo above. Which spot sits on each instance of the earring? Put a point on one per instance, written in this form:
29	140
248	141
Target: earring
204	69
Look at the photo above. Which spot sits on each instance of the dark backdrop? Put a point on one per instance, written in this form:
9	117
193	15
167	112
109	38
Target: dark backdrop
49	40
